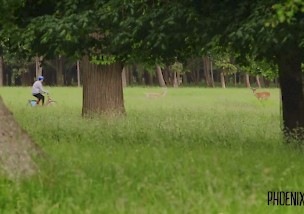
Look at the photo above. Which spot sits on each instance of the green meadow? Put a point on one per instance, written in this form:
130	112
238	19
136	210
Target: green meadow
195	150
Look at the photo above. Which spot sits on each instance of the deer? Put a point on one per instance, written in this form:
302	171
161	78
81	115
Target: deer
156	95
261	95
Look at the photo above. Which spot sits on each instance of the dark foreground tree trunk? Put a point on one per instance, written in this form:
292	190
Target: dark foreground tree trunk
16	147
290	77
102	89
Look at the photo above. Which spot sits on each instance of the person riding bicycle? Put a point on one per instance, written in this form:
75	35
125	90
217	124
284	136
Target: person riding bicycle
38	90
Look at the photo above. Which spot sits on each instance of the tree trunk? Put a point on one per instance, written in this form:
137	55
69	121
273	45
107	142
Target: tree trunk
59	71
179	79
123	77
235	79
290	77
207	71
26	78
78	73
247	81
185	79
128	76
223	80
166	75
1	71
258	81
211	74
38	66
175	83
16	147
159	73
102	89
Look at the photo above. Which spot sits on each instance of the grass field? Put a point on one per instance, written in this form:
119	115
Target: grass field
196	150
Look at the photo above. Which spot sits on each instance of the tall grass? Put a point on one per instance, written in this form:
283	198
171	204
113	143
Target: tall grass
194	151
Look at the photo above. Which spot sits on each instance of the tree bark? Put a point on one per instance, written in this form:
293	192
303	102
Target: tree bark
185	79
38	66
160	76
235	79
59	71
175	82
26	78
223	80
78	73
16	147
258	81
247	81
1	71
207	71
102	89
124	77
211	74
290	77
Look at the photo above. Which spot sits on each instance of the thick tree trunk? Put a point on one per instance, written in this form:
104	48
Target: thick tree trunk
16	147
160	77
102	89
290	77
223	80
1	71
59	71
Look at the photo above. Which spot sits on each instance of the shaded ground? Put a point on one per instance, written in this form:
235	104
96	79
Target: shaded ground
16	147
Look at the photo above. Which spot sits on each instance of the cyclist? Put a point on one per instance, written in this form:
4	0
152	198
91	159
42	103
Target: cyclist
38	90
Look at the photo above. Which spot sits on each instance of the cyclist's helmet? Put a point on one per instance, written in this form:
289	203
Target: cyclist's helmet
40	78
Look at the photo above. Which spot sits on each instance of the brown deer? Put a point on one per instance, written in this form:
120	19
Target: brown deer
261	95
156	95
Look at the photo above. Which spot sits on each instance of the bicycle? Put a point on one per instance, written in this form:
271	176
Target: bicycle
49	102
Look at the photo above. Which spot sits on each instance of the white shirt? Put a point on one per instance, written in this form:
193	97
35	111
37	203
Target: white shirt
37	88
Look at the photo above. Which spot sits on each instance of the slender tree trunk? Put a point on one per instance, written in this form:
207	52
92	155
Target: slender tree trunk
159	73
26	79
235	80
59	71
211	74
128	76
123	77
207	71
247	81
38	66
179	79
258	81
78	73
1	71
290	77
223	80
102	89
175	83
165	76
185	79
